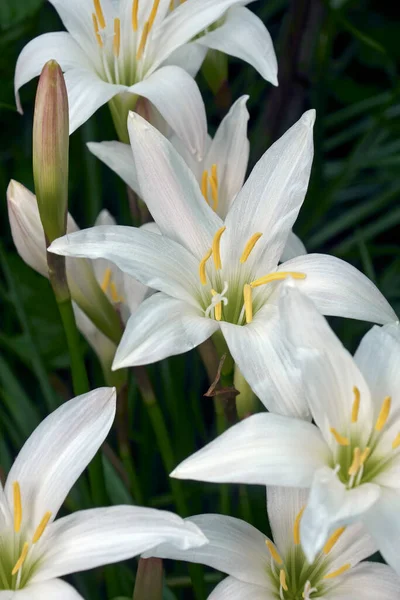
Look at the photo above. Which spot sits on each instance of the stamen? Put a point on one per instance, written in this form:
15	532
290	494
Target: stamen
215	248
383	415
171	5
135	9
296	527
274	552
96	31
364	455
248	305
282	580
21	559
214	193
41	527
153	13
117	37
249	247
396	442
214	173
17	507
202	267
143	41
217	307
279	275
333	539
356	464
99	14
115	297
341	440
338	572
204	184
106	280
356	405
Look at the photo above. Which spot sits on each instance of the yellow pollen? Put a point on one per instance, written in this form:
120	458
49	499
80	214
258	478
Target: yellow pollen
117	37
279	275
396	442
333	539
135	9
153	13
214	173
171	5
356	405
204	184
282	580
248	305
383	415
106	280
214	193
17	507
215	248
364	455
296	527
341	440
21	559
338	572
249	247
99	14
217	308
143	41
356	464
41	527
274	552
96	30
115	297
202	267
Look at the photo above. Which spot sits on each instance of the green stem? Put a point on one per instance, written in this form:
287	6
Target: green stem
222	424
79	378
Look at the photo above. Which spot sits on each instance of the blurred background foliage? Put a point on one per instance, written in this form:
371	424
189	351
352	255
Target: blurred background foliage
340	57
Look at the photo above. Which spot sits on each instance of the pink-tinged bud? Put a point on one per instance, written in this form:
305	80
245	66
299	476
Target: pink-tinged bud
149	580
50	150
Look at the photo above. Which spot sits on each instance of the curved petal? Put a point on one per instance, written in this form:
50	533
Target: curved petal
353	546
383	522
189	57
294	247
47	590
59	46
233	589
368	581
57	452
170	189
245	36
176	96
162	326
339	289
264	449
284	505
99	536
118	157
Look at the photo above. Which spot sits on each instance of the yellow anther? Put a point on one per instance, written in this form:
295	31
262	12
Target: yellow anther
17	507
396	442
204	184
214	173
333	539
356	464
135	9
171	5
341	440
99	14
41	527
153	13
96	30
202	267
215	248
356	405
117	37
143	41
249	247
383	415
296	527
21	559
217	308
274	552
214	193
115	297
277	276
248	304
364	455
282	580
106	280
338	572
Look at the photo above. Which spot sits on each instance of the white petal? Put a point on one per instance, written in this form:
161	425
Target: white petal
271	198
48	590
99	536
294	247
189	57
332	505
383	522
230	152
353	546
57	452
234	547
177	97
59	46
369	581
245	36
233	589
264	449
283	505
162	326
263	356
339	289
119	158
170	189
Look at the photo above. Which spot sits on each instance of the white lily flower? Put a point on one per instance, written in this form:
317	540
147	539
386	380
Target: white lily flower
264	570
216	275
119	51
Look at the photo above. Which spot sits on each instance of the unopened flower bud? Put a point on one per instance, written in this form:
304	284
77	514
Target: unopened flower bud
149	580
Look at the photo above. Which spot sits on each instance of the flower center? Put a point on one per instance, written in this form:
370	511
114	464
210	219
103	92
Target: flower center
110	289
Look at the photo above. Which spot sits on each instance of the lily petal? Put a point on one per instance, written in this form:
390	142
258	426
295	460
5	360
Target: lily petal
265	449
189	57
118	157
47	590
233	589
294	247
368	581
284	505
383	522
353	546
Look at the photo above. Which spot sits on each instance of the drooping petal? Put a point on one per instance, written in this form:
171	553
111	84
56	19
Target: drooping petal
284	505
170	189
294	247
245	36
57	452
229	150
233	589
46	590
177	97
162	326
99	536
332	505
234	547
369	581
189	57
119	158
383	522
265	449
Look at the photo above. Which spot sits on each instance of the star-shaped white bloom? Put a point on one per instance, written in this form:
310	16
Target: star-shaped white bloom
264	570
223	276
35	549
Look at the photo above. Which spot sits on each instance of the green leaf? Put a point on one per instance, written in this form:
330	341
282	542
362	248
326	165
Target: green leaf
13	12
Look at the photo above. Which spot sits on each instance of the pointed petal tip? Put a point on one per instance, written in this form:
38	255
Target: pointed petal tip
308	117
